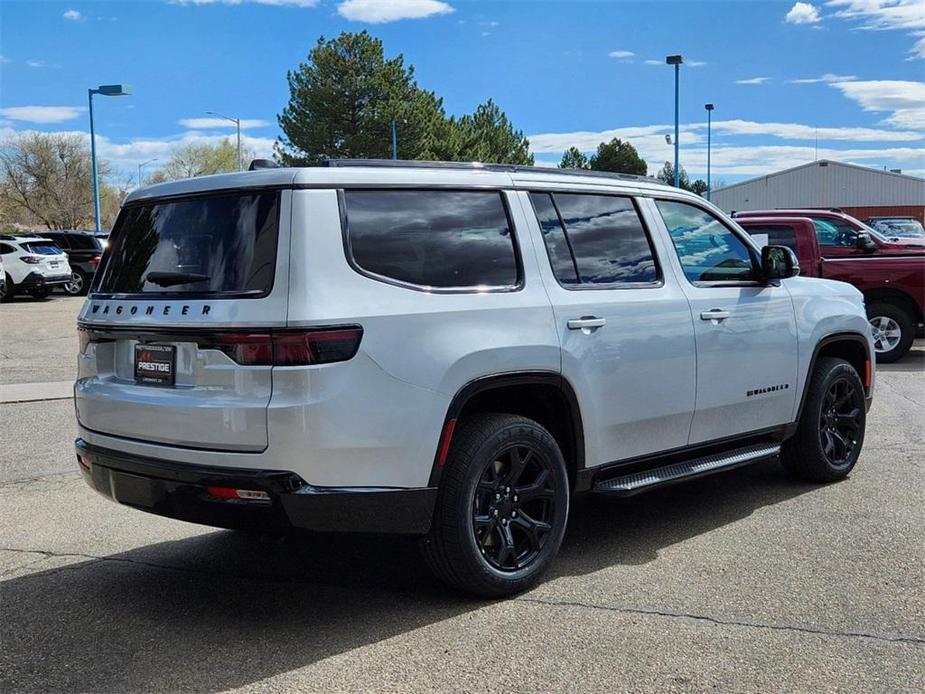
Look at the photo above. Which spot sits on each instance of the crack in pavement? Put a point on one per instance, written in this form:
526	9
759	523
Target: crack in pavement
723	622
93	560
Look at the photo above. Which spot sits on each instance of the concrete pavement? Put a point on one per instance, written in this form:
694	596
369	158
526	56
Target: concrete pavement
739	582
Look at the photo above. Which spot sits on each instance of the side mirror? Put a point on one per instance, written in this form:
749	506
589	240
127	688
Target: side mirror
778	263
864	242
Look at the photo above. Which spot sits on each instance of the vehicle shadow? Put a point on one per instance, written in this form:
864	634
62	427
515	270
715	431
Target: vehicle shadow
225	609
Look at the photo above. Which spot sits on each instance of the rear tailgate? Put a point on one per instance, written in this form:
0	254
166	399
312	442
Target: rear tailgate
182	276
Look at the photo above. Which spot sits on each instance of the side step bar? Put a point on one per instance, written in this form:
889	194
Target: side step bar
633	483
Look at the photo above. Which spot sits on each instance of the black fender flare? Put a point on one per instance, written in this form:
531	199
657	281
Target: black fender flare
502	380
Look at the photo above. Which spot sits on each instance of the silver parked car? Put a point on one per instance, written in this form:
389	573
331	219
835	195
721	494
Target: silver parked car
450	351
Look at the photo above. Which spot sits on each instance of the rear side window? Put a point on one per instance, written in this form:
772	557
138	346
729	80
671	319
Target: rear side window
432	239
834	232
41	248
222	245
778	235
595	239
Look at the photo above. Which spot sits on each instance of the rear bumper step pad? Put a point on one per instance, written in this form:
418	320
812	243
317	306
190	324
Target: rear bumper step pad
633	483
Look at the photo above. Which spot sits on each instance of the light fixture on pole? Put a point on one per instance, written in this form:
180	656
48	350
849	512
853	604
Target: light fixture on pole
142	165
709	108
102	90
237	123
676	60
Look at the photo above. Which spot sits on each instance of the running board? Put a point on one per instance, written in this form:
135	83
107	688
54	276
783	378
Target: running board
633	483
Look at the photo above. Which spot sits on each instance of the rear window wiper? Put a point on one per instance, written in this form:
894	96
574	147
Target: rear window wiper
168	279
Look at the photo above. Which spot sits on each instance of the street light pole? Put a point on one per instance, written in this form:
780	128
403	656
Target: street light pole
142	165
709	108
394	141
237	123
102	90
676	60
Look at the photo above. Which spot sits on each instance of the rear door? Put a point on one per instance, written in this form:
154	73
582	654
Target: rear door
626	334
745	332
173	333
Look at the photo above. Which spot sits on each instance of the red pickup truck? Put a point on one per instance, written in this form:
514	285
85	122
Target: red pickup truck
833	245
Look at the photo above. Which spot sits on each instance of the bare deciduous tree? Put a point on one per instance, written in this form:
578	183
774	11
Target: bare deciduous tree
46	179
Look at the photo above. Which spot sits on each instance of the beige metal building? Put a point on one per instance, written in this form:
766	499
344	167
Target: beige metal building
858	190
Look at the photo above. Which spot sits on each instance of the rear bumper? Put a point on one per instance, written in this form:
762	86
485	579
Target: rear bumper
36	281
180	491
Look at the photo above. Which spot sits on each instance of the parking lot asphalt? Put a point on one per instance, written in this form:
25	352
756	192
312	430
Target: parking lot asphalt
739	582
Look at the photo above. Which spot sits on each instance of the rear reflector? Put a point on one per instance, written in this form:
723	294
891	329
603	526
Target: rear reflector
232	493
289	348
867	373
95	260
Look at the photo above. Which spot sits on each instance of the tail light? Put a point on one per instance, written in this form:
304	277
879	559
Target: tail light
95	260
31	259
288	348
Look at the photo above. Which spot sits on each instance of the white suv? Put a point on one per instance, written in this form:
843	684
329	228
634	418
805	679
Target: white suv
32	265
450	351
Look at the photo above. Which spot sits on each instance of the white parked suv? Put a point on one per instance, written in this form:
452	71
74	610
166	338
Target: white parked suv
451	351
32	265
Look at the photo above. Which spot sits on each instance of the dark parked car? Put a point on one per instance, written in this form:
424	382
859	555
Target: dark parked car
84	250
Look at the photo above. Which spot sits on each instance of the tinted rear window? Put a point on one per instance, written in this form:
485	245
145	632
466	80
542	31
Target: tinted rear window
215	245
41	248
432	239
778	235
595	239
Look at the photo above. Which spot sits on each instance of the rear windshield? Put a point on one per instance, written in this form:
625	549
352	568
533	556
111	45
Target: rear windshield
41	248
206	245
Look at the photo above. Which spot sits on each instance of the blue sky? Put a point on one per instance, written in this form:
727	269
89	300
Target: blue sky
850	72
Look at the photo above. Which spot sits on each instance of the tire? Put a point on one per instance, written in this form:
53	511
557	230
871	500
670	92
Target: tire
481	513
830	432
78	285
8	290
887	320
40	294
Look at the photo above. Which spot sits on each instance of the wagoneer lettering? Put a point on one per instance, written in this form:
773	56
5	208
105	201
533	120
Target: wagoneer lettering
450	351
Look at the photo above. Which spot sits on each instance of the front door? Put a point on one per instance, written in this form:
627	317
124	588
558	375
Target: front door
745	332
626	334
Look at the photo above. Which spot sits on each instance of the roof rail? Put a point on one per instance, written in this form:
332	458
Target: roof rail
479	166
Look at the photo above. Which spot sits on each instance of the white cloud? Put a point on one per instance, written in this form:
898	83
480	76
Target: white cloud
621	54
33	62
882	14
42	114
382	11
798	131
803	13
650	61
904	100
695	63
753	80
4	59
827	77
73	15
885	15
207	123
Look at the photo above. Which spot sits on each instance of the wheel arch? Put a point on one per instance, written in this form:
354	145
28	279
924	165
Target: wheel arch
852	347
544	396
896	297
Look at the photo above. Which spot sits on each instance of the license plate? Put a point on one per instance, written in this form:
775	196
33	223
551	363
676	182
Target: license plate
155	364
53	264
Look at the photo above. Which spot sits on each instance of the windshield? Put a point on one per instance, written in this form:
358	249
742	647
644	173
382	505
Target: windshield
225	244
42	248
908	228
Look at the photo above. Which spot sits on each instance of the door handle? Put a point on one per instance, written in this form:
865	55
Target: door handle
714	314
586	323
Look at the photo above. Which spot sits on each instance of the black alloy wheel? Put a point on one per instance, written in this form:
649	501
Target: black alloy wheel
513	508
840	421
